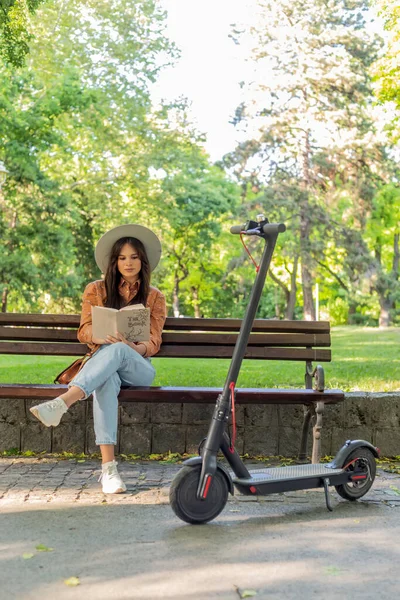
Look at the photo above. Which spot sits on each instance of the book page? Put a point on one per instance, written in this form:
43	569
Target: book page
132	306
104	321
134	324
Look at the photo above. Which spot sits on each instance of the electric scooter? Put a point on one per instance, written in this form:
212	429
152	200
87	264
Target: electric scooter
200	489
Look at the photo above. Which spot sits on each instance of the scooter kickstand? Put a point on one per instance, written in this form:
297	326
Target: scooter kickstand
327	497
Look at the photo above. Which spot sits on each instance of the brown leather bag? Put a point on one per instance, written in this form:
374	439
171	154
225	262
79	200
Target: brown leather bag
70	372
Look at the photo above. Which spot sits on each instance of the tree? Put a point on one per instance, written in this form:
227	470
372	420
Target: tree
35	215
70	123
86	151
383	233
197	199
307	117
386	69
15	32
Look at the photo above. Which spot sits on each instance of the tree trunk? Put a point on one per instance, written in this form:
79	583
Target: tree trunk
385	289
308	300
290	295
351	313
175	296
277	307
396	255
386	305
305	230
4	300
196	303
289	313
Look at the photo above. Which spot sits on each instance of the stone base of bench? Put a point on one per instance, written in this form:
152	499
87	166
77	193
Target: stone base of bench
313	403
153	427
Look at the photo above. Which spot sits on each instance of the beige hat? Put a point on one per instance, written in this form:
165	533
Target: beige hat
149	240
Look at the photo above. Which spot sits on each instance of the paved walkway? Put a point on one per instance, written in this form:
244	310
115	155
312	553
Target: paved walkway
49	480
56	524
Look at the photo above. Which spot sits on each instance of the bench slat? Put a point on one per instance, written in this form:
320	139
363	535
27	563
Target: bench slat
259	325
176	324
254	352
173	351
259	339
185	395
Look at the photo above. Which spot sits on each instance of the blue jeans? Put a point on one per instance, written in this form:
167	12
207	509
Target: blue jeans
110	367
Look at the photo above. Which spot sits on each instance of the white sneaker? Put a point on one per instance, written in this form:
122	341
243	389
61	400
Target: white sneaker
110	479
50	413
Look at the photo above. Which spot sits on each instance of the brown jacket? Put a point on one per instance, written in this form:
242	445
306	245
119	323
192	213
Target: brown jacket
95	295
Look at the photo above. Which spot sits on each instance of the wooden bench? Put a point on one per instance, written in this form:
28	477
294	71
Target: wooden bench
36	334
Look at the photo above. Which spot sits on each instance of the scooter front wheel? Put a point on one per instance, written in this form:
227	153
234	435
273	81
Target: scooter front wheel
183	498
363	460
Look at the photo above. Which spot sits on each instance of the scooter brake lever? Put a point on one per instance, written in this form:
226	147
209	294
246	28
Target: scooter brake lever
251	232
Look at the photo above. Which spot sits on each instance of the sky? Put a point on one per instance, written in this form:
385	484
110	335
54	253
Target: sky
210	68
211	65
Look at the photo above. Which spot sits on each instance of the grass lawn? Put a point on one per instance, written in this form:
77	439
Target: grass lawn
364	358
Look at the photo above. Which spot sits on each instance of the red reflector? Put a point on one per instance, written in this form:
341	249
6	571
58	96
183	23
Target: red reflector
253	489
378	451
207	486
358	477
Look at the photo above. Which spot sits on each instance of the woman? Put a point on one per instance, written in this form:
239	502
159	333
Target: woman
127	255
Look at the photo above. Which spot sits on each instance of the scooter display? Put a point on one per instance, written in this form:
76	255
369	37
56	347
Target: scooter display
199	491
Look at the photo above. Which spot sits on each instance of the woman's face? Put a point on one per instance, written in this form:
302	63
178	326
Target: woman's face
129	263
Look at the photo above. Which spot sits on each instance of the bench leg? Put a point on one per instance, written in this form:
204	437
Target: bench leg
308	413
316	451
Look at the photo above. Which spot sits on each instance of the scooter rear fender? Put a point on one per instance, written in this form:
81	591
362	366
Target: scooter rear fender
197	460
340	459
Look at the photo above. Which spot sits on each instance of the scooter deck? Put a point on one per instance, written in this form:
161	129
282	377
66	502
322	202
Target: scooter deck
296	472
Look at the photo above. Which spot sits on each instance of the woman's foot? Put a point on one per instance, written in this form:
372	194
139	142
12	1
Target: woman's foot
50	413
110	479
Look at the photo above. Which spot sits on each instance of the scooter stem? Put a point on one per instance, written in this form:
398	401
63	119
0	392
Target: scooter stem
221	412
247	323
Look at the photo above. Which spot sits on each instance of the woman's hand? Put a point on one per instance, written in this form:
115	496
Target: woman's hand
99	341
139	348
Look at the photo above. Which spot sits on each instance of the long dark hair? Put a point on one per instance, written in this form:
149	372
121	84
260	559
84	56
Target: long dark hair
113	276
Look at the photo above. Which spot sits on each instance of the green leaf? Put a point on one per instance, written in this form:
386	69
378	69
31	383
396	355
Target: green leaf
72	581
27	555
247	593
43	548
332	570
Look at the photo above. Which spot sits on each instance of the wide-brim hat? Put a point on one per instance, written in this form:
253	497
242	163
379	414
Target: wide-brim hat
149	240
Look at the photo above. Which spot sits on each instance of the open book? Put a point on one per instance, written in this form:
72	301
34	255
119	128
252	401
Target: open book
132	321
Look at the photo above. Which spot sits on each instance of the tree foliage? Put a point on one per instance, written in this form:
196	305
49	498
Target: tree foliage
87	150
388	67
15	30
310	153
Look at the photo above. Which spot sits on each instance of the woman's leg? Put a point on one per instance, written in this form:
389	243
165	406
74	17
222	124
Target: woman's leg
105	412
72	395
102	375
134	370
105	416
107	453
104	363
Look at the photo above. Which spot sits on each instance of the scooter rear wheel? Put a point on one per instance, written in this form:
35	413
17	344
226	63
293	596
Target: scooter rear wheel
183	498
366	463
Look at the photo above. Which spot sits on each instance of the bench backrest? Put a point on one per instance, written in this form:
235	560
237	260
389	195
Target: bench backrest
182	337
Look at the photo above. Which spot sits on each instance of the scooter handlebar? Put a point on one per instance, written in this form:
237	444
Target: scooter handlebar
237	228
274	228
269	229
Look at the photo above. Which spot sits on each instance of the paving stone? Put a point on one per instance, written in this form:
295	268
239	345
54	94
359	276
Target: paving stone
148	483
